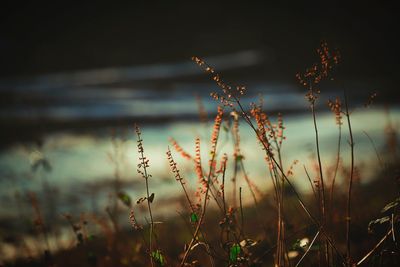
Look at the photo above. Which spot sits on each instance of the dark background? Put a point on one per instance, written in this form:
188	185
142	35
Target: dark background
39	38
46	38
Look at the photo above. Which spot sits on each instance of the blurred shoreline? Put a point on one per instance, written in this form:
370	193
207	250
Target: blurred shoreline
149	94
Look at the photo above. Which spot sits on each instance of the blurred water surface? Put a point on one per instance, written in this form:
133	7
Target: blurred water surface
165	100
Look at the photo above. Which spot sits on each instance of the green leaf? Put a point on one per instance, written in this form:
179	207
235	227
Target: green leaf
125	199
234	252
151	198
158	257
239	158
194	218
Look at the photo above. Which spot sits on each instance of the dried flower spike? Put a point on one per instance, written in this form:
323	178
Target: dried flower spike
179	149
231	94
336	108
313	75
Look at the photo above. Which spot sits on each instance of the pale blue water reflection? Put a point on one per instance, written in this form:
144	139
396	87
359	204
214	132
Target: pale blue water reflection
79	161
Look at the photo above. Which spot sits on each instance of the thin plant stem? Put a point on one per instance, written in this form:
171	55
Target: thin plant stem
179	178
234	182
241	212
140	229
308	249
319	163
301	202
207	250
203	212
375	149
238	162
311	184
151	219
223	187
288	238
336	167
144	165
348	207
230	99
322	185
374	248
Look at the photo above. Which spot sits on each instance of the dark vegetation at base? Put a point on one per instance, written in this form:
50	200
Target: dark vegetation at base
124	248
